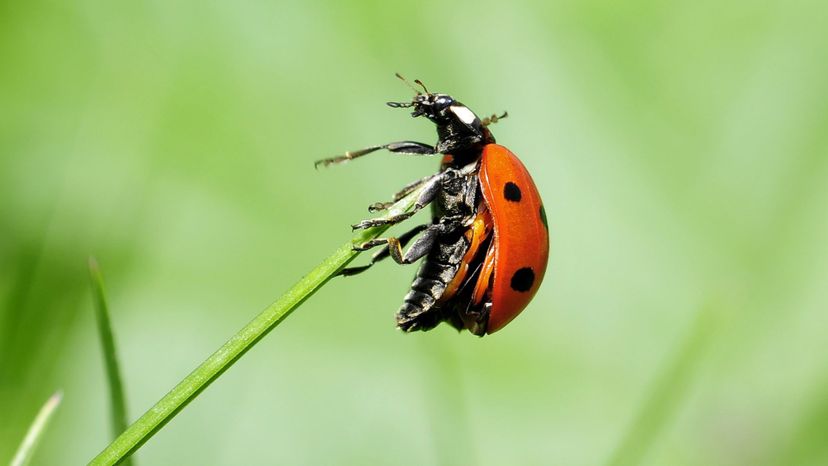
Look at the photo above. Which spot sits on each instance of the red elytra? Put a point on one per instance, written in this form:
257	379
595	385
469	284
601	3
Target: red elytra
521	239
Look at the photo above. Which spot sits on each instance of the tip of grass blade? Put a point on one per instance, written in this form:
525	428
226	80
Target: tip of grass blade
29	444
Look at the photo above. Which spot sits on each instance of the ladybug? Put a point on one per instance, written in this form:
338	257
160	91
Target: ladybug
487	245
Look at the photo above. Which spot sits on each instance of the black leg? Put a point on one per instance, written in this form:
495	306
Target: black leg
380	206
391	220
384	252
400	147
420	248
429	191
405	191
394	245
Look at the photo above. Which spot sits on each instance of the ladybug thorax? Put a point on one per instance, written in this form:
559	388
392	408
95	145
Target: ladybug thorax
458	195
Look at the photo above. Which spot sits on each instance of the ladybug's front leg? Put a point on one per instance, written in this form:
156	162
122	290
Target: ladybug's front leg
400	147
429	191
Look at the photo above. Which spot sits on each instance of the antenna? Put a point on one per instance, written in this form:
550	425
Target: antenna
422	85
407	83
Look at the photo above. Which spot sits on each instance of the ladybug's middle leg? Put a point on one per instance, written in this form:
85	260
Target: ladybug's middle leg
405	191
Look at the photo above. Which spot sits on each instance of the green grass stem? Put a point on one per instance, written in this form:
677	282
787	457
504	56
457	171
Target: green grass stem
200	378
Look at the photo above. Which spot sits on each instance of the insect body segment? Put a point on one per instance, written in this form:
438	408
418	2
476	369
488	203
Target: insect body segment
486	248
521	235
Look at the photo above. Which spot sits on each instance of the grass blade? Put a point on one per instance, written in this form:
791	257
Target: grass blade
36	430
806	444
667	394
113	374
215	365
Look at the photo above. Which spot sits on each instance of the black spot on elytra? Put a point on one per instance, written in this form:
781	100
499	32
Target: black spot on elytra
523	279
543	217
511	192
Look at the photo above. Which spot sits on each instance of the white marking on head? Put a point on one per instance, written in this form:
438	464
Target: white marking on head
463	113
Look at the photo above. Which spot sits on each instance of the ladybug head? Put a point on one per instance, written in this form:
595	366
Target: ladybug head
441	109
435	107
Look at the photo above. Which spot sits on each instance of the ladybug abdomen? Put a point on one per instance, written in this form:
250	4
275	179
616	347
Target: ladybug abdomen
418	311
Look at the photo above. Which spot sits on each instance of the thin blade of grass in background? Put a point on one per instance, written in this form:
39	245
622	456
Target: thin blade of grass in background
667	394
113	374
35	433
176	399
806	444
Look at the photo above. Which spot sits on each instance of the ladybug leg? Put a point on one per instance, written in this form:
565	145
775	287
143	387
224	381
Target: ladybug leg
400	147
384	252
420	248
429	190
394	245
380	206
424	243
493	119
401	241
374	243
405	191
392	220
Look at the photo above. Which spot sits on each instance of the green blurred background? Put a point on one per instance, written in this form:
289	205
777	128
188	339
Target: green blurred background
681	149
